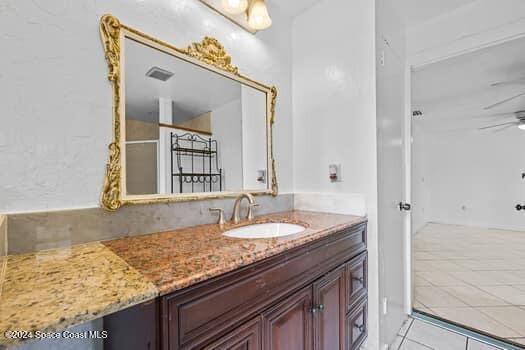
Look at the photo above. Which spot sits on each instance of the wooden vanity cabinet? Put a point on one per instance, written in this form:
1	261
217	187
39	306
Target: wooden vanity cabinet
245	337
311	297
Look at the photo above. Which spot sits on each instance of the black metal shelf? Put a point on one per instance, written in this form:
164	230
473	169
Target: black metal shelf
196	163
197	152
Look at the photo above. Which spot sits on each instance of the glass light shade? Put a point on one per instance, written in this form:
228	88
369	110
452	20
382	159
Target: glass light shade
258	17
234	7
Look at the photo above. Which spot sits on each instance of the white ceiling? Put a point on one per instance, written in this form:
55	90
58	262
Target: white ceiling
452	94
194	90
293	7
412	12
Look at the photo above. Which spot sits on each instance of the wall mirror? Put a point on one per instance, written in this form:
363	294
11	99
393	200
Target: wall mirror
186	124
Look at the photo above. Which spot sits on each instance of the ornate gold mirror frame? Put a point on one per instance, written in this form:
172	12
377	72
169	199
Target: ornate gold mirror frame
209	54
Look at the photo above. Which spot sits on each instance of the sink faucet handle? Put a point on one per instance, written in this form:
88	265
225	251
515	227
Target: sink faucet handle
250	215
221	214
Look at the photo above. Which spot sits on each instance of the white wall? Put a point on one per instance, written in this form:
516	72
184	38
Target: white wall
56	100
476	25
334	111
474	178
420	193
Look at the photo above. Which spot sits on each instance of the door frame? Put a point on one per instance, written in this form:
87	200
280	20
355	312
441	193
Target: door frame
407	157
410	68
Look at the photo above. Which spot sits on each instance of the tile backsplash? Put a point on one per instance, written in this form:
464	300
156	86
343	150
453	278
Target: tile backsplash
338	203
45	230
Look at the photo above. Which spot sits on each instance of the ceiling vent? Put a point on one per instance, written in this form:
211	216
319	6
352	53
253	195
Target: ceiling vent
159	74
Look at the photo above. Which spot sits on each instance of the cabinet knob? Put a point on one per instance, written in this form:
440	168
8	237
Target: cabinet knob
361	327
359	279
317	308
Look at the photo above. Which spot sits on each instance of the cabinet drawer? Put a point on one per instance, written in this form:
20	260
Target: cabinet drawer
356	326
204	311
356	280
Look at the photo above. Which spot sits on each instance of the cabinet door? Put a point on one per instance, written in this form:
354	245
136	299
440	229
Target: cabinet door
288	325
329	311
245	337
133	328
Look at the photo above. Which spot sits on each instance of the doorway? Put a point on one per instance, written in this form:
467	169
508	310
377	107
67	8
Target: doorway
468	189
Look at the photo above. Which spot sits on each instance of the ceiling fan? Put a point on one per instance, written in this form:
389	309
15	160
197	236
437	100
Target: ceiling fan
520	122
520	81
509	82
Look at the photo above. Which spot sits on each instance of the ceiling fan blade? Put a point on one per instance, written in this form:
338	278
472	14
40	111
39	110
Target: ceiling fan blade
513	114
504	101
496	125
510	82
503	128
497	115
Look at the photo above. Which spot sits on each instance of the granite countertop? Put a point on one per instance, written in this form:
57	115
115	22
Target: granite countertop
54	289
178	259
51	290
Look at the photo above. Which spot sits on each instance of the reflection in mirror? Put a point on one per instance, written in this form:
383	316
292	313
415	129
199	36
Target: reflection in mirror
189	129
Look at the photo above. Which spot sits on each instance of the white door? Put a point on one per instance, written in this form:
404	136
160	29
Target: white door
391	189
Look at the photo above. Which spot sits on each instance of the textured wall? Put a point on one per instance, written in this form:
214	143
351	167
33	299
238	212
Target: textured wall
334	112
56	100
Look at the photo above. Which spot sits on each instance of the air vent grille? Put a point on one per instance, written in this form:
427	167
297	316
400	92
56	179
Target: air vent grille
159	74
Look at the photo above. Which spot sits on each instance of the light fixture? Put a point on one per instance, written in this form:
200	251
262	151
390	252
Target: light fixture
521	125
251	15
235	7
258	17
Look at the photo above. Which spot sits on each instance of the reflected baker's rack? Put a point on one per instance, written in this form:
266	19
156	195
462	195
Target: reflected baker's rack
194	164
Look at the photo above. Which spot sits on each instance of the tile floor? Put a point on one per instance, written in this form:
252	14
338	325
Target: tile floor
419	335
472	276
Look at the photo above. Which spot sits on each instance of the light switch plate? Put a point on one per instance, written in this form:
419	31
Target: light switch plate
334	172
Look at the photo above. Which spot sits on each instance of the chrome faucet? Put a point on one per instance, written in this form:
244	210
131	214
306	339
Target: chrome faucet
237	207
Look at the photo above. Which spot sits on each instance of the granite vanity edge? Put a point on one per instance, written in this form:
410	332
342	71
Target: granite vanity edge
85	313
241	262
62	325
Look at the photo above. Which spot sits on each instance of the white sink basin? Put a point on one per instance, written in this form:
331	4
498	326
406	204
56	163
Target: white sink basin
269	230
